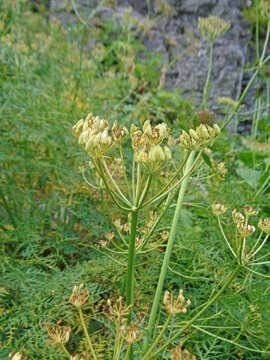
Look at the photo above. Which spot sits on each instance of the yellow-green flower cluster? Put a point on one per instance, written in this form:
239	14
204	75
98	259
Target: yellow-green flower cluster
212	27
147	143
264	9
199	138
93	134
228	104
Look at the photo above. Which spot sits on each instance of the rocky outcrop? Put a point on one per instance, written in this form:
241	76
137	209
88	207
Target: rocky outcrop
185	54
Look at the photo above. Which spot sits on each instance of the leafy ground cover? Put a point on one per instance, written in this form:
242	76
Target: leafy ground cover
53	225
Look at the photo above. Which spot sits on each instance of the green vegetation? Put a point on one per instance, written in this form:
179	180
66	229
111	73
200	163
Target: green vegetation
57	231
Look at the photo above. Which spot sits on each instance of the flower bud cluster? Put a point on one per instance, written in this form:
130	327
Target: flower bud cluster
212	27
147	145
93	134
175	305
58	333
199	138
79	296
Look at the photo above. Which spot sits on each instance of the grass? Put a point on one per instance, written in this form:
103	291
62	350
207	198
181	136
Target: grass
51	222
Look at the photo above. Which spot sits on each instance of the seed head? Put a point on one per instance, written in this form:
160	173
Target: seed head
249	211
264	225
212	27
199	138
175	305
132	333
245	230
218	209
118	309
58	333
79	296
120	133
237	217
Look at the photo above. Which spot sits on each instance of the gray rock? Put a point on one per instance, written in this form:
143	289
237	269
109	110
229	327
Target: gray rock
187	61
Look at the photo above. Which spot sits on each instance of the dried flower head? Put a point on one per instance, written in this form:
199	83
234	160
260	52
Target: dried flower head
132	333
218	209
249	211
59	333
118	309
212	27
206	117
264	225
175	305
77	357
178	353
237	217
120	133
79	296
245	230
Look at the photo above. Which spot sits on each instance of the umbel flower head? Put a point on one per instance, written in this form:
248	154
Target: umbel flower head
175	305
199	138
218	209
264	225
212	27
228	104
79	296
118	309
59	333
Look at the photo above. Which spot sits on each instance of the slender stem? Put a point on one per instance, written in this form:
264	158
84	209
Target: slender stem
244	93
117	340
229	341
86	333
167	255
131	259
65	350
266	41
128	352
225	238
257	32
260	247
256	243
164	327
206	86
124	169
209	303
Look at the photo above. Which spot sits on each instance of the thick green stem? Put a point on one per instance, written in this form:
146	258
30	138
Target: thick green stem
131	258
86	334
206	86
189	323
167	255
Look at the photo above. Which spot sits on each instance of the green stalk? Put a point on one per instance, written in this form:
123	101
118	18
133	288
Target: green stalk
167	255
86	334
209	303
206	86
65	350
164	327
131	259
